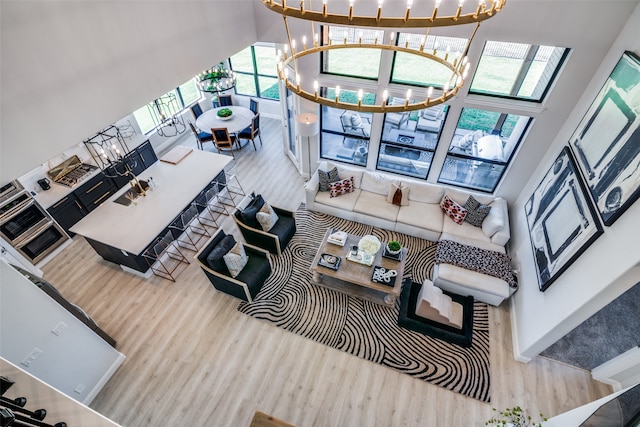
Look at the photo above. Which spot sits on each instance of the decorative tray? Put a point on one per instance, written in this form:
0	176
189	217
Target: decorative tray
386	254
383	276
329	261
361	258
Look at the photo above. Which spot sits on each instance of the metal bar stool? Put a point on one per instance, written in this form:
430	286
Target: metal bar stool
209	207
190	229
164	257
231	192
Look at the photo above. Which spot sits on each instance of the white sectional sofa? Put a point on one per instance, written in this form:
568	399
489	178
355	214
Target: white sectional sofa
421	217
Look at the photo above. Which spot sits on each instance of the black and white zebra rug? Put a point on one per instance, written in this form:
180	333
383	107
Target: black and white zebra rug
365	329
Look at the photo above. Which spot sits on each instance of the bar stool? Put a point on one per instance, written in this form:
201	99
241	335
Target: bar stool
231	191
209	207
164	256
191	230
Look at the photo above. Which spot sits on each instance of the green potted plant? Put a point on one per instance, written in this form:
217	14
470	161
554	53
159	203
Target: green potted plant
224	113
514	417
394	247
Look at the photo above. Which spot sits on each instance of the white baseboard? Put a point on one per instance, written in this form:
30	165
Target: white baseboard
103	380
514	336
621	371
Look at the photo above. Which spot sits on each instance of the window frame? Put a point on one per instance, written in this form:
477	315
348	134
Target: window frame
544	93
505	164
255	75
324	54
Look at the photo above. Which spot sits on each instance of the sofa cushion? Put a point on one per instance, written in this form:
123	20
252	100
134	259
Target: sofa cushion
267	217
424	192
476	212
422	215
398	194
376	183
345	172
452	209
248	214
235	259
464	230
215	258
494	221
327	177
376	205
345	202
341	187
460	197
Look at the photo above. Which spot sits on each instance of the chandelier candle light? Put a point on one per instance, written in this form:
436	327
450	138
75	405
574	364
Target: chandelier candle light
458	65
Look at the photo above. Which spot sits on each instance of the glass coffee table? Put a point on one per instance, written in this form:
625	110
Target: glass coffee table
354	278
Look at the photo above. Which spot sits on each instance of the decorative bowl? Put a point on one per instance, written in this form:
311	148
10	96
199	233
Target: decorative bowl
224	114
369	244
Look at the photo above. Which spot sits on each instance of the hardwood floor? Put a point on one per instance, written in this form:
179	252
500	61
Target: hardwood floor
193	360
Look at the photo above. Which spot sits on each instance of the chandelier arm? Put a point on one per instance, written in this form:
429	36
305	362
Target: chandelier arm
293	51
383	22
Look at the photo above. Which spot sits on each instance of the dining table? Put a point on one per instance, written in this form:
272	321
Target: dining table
240	119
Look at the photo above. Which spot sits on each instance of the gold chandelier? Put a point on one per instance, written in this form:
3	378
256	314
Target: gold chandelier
458	65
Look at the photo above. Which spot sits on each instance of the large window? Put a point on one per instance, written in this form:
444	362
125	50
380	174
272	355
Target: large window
186	94
410	139
516	70
482	146
363	63
418	71
256	71
345	134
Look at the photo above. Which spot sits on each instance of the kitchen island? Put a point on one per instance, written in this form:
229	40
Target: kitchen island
121	234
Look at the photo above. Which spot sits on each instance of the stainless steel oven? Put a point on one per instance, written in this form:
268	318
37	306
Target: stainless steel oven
28	227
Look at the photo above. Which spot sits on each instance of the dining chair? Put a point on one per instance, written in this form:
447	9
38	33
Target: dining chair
196	110
222	139
252	131
253	106
225	100
200	136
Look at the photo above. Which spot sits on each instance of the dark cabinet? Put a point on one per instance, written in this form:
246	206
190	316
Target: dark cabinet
137	161
95	191
67	212
147	154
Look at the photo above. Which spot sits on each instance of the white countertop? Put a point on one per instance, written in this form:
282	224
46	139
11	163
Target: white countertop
133	228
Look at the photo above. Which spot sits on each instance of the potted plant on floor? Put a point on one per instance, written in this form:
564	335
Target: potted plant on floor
394	247
514	417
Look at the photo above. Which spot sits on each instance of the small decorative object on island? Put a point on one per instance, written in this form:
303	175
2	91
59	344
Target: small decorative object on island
224	113
515	417
394	247
369	244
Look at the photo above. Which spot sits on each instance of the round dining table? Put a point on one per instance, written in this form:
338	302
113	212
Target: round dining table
240	119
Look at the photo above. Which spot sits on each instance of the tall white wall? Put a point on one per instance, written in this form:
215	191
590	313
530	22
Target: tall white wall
70	68
77	361
607	269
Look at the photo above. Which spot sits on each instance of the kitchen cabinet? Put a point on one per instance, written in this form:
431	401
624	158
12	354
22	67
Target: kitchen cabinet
67	211
95	191
147	154
138	160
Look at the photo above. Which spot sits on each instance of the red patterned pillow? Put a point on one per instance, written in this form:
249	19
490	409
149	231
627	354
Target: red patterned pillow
454	210
343	186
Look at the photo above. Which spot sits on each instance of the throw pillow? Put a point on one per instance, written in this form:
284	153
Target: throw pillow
236	259
326	178
267	217
476	212
456	212
248	214
398	194
341	187
356	120
215	257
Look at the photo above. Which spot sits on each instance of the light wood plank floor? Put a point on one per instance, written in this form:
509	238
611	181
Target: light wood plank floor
193	360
